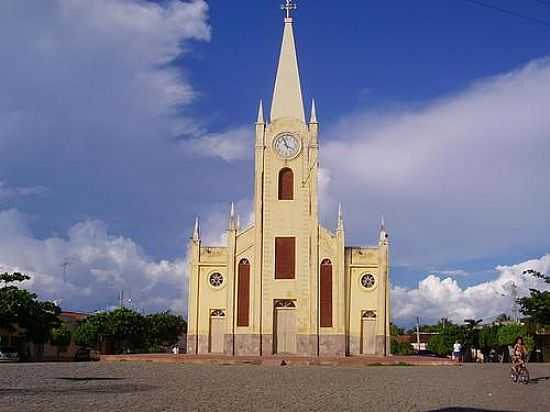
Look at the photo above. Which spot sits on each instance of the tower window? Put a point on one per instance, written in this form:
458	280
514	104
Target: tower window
326	294
285	258
243	298
286	184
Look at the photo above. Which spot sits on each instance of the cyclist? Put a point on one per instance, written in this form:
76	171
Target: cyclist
519	356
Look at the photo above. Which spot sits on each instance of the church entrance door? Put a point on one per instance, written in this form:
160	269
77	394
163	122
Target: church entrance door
285	327
217	330
368	332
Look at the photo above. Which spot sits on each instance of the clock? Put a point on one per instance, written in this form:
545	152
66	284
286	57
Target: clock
287	145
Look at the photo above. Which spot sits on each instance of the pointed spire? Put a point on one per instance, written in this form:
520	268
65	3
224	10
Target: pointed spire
196	230
313	119
340	218
232	222
287	96
238	222
383	224
261	113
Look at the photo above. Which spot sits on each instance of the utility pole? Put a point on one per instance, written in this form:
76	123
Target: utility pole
417	335
65	264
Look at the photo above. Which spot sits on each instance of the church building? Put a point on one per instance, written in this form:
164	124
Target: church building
285	284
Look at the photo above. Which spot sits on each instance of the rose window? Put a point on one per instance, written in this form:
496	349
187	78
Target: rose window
367	280
216	279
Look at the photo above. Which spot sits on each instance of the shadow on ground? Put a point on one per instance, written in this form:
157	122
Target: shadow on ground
466	410
110	389
73	379
541	379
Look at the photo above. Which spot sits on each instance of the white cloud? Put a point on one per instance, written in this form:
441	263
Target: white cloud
460	178
233	144
437	297
11	193
94	95
99	266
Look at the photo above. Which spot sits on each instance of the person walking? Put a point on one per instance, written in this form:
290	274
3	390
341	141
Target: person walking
457	351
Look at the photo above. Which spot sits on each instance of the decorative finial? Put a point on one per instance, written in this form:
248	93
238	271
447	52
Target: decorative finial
196	230
383	224
289	7
232	221
313	112
260	113
340	217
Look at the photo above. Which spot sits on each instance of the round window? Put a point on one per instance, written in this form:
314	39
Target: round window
367	280
216	279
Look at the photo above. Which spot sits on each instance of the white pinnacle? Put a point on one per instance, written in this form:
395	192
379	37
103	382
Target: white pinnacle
196	230
260	113
313	112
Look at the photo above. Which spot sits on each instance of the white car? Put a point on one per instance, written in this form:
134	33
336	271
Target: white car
8	354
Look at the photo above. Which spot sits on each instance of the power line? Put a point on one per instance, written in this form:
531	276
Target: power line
511	12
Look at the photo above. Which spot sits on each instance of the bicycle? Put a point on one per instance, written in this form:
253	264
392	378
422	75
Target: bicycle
520	373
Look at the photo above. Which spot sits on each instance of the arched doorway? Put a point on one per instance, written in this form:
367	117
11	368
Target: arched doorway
368	332
285	327
217	331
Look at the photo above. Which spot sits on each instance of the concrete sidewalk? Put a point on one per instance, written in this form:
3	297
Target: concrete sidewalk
357	361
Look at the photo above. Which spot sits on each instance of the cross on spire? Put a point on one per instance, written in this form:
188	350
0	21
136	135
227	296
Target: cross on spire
289	7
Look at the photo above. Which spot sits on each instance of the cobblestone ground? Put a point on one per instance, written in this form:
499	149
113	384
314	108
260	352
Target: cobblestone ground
148	387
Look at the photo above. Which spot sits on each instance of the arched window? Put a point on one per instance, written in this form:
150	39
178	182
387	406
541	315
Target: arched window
286	184
243	297
326	294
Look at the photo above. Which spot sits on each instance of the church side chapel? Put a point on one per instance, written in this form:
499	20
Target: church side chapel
286	285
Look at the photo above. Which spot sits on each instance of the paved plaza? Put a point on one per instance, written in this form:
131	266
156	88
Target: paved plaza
143	386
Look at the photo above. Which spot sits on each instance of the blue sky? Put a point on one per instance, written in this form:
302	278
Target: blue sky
113	111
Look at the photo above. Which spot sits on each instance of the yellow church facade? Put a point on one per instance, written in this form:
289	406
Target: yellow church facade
285	284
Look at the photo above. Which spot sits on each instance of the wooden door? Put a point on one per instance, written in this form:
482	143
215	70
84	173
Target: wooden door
368	336
217	328
285	329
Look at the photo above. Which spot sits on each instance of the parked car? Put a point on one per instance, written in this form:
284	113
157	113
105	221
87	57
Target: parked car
86	355
8	354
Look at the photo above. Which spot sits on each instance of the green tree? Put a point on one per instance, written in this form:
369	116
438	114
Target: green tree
507	335
88	332
163	329
442	344
396	330
22	308
61	338
123	327
488	338
397	347
537	306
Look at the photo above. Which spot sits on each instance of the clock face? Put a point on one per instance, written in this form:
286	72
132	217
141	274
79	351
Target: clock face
287	145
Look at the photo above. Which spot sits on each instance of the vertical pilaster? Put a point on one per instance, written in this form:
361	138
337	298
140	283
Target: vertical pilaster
312	174
193	300
256	275
229	344
382	318
340	289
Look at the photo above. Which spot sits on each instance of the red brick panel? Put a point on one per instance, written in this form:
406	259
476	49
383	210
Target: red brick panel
286	184
243	296
326	294
285	258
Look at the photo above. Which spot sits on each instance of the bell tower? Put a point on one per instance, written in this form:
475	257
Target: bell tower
286	204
